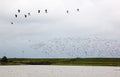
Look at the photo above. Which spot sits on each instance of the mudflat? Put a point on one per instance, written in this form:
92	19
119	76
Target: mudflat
58	71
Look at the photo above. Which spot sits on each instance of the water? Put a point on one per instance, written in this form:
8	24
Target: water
58	71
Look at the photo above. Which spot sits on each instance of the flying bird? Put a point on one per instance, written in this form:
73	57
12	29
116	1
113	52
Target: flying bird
38	11
29	14
25	16
16	15
67	11
18	10
11	22
46	11
78	10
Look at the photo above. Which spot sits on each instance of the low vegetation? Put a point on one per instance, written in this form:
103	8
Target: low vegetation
62	61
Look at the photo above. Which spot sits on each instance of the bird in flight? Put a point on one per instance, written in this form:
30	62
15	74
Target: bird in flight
28	14
38	11
18	10
67	11
78	10
46	11
11	22
16	15
25	16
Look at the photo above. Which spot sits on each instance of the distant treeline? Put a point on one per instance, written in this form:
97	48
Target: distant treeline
61	61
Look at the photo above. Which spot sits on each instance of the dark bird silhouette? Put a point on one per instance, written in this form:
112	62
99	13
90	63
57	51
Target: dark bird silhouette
29	14
18	10
11	22
67	11
38	11
25	16
46	11
16	15
78	10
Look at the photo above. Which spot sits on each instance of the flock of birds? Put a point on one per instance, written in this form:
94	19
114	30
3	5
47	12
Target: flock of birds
75	47
39	11
78	47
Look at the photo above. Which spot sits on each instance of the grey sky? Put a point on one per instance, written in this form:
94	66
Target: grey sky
98	20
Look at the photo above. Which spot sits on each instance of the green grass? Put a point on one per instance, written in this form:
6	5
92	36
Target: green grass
64	61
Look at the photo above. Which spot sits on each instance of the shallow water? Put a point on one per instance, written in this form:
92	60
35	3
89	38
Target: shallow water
58	71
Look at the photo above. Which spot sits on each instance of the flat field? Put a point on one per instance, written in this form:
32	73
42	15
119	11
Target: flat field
64	61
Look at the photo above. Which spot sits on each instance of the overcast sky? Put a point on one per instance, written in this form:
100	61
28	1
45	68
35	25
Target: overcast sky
97	21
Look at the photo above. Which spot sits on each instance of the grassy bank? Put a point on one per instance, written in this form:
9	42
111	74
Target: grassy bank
64	61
